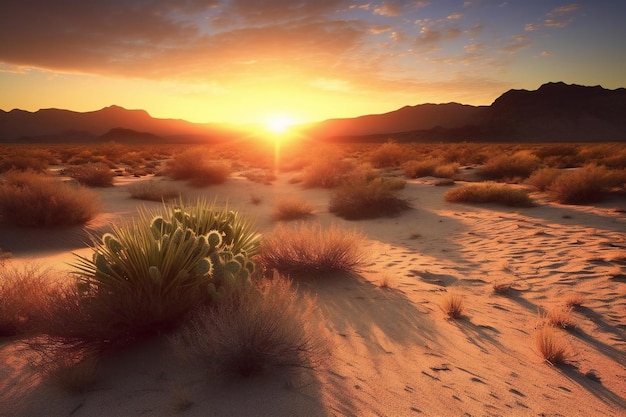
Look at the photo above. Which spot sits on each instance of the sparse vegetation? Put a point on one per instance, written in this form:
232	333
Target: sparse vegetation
326	171
430	167
292	208
543	178
574	300
195	166
93	174
489	193
389	154
29	199
361	199
254	327
501	287
559	316
306	249
551	345
518	165
153	190
453	304
586	185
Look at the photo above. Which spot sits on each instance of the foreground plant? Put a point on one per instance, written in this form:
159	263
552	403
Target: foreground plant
551	345
146	275
253	327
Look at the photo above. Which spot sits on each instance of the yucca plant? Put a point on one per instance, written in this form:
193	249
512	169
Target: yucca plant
146	275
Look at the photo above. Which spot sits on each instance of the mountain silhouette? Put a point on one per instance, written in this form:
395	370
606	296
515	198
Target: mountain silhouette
556	112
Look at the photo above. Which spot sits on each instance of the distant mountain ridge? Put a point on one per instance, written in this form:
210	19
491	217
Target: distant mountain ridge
554	112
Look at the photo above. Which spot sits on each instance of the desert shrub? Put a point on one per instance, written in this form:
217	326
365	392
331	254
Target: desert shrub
326	171
146	275
501	287
32	200
559	316
292	208
153	191
22	290
543	178
26	160
575	300
360	199
518	165
489	193
195	166
430	167
452	304
586	185
308	249
389	154
95	174
551	345
88	157
255	327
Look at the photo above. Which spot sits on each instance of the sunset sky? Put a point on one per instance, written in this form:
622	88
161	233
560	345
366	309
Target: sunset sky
246	61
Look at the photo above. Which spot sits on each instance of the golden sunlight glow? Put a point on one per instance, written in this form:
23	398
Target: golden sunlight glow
278	124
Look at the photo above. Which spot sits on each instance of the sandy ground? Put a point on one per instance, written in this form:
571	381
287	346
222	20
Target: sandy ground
394	352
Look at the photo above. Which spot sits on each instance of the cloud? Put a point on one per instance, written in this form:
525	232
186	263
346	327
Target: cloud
558	18
455	16
566	9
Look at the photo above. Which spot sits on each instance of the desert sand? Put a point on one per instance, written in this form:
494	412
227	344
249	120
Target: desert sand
394	351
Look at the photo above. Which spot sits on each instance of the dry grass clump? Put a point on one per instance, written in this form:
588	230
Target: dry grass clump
292	208
255	327
543	178
551	345
518	165
362	199
501	287
93	174
305	249
389	154
72	371
33	200
26	159
574	300
195	166
327	171
559	316
153	190
430	167
586	185
489	193
452	304
22	290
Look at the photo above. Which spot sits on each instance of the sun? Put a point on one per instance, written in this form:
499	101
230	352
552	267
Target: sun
278	123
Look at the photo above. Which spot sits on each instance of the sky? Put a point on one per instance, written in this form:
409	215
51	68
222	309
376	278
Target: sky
238	61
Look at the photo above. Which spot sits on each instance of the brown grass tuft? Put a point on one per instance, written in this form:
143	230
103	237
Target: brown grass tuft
575	300
585	185
518	165
309	249
255	327
33	200
551	345
292	208
543	178
94	174
362	199
195	166
489	193
153	190
501	287
560	316
452	304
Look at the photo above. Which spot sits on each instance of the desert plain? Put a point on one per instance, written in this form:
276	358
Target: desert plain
393	349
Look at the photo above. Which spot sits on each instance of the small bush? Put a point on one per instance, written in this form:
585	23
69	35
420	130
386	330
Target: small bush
255	327
26	160
326	171
543	178
194	166
292	208
551	345
309	249
586	185
489	193
389	154
501	287
574	300
359	199
430	167
452	305
22	290
153	191
31	200
559	316
520	164
95	174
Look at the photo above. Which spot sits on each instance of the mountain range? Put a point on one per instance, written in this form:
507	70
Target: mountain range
556	112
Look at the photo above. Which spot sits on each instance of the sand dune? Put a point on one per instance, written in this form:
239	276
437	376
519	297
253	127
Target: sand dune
394	352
